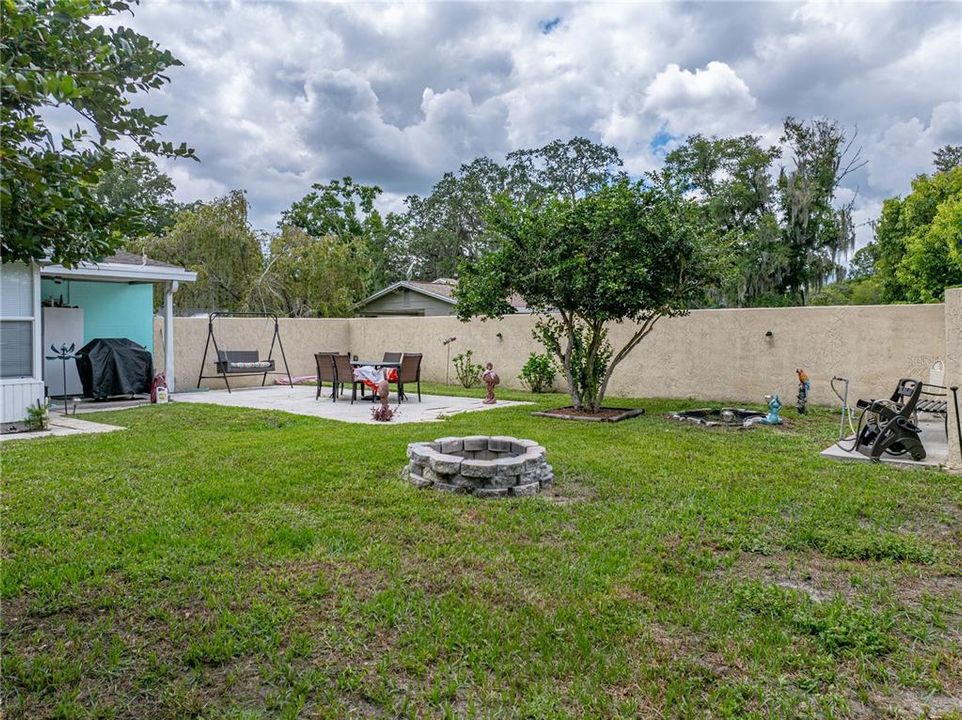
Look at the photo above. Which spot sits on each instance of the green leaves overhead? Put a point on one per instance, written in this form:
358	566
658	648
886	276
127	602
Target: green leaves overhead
54	56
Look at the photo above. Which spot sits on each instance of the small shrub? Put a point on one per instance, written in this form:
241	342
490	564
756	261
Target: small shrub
468	373
38	416
538	373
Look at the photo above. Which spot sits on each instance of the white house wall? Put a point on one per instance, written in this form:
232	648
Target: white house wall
17	394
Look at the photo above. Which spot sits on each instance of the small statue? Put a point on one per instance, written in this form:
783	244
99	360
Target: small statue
383	412
774	405
490	379
804	385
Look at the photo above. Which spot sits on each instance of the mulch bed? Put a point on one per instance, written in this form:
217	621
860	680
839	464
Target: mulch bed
603	415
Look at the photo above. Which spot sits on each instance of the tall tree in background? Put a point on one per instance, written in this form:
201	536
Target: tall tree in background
448	226
216	240
311	277
134	187
917	239
56	53
784	236
947	157
817	232
562	168
731	179
344	211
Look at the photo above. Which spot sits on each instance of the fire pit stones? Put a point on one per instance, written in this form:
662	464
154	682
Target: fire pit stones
480	465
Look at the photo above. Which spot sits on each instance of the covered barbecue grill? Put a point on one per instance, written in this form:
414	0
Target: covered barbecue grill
114	366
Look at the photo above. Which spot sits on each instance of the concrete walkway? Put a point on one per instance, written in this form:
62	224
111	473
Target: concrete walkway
62	425
300	401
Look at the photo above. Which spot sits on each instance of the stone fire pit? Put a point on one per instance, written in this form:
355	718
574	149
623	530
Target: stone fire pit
485	466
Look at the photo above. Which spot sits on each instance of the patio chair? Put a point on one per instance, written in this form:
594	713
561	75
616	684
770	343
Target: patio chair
344	373
391	357
886	426
325	372
409	372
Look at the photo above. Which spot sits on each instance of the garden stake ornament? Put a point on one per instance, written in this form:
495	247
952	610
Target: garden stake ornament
804	385
63	355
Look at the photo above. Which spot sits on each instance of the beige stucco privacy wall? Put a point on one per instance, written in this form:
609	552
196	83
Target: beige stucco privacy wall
710	354
301	338
953	365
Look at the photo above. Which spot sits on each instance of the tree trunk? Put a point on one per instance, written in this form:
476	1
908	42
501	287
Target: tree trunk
646	327
573	389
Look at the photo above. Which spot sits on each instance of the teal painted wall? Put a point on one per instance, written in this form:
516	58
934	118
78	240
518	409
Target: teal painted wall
111	310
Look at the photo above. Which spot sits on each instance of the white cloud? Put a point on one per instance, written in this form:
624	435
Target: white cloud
904	148
277	96
713	99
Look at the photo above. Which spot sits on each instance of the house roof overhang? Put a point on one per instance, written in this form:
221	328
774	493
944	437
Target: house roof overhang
119	272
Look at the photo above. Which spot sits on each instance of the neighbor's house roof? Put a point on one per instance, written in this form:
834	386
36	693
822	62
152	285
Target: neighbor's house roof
121	267
439	290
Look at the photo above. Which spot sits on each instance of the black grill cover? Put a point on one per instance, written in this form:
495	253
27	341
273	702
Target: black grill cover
114	366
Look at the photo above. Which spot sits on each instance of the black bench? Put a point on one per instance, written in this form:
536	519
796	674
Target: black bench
930	402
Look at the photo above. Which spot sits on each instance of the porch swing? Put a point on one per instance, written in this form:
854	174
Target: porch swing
242	363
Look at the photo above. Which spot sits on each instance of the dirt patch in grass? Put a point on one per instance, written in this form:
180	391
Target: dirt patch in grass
909	704
603	415
823	578
682	642
944	526
568	489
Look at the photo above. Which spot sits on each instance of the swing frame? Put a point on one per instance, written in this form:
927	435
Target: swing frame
223	365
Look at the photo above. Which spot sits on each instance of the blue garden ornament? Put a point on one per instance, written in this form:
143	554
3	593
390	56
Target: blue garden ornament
774	405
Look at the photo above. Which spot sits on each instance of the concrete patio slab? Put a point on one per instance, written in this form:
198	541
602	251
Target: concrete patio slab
300	401
933	439
62	425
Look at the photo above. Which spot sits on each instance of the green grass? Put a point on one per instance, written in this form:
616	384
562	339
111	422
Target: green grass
225	563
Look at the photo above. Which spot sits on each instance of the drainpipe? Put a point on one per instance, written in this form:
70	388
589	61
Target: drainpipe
169	333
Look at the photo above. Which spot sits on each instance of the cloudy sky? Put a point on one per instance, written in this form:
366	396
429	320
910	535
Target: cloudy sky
275	96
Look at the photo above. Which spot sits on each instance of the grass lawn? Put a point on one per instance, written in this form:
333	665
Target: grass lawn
229	563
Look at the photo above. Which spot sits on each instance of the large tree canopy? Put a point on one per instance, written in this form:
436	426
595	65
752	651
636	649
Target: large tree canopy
214	239
438	232
732	181
134	187
343	211
786	234
448	226
625	253
56	54
917	240
311	277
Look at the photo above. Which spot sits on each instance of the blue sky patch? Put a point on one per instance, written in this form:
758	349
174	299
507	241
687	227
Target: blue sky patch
661	138
548	26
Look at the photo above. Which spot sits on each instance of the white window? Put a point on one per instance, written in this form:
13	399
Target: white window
16	320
